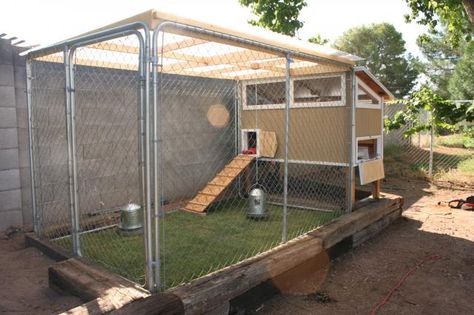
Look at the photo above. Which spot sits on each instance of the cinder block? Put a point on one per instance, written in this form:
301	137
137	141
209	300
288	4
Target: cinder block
8	117
7	96
9	179
8	138
6	75
17	59
6	52
9	159
10	200
20	76
10	218
25	177
23	157
20	97
26	205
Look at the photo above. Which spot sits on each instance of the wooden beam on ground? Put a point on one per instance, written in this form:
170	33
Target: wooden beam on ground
349	224
103	290
162	303
46	247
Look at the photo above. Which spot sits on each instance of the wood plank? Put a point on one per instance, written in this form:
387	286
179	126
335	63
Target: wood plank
46	247
220	180
373	229
162	304
194	207
104	291
213	189
224	178
349	224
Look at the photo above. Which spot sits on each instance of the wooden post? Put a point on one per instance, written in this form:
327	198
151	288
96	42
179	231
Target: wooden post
376	189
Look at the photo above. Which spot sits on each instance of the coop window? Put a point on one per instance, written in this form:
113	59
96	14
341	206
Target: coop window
366	97
266	94
319	91
314	91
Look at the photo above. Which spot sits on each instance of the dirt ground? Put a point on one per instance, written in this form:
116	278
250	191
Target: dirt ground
354	282
24	280
358	280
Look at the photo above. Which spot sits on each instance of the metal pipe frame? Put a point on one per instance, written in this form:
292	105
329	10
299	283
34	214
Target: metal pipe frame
144	159
284	233
69	48
31	153
71	154
157	163
243	41
352	149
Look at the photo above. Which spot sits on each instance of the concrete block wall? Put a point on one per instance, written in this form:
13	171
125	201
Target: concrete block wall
14	165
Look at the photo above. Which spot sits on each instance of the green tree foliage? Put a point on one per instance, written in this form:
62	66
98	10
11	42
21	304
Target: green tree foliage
461	84
383	49
318	39
453	14
280	16
441	59
444	114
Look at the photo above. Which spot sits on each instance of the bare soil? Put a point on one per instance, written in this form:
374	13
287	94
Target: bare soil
24	280
358	280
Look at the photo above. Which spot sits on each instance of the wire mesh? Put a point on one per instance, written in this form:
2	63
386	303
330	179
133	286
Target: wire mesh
50	147
222	127
108	115
423	154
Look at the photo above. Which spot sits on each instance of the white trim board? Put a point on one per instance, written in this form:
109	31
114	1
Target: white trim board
293	104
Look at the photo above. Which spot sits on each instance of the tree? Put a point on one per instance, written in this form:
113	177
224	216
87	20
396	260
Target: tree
441	59
444	114
383	49
276	15
456	15
318	39
461	84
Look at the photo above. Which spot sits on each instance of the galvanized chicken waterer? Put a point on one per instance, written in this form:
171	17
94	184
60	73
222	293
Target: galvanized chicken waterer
131	219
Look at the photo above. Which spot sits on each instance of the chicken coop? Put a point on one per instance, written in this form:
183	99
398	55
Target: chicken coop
170	123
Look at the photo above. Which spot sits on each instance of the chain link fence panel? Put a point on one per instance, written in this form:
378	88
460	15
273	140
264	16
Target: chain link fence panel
439	155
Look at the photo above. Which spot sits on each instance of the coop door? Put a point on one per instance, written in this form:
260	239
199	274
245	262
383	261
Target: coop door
250	141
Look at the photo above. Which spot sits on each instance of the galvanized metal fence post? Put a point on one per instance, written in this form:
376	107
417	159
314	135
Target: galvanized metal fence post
157	177
352	147
430	167
284	233
71	152
29	78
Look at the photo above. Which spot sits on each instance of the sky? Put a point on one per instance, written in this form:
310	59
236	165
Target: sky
48	21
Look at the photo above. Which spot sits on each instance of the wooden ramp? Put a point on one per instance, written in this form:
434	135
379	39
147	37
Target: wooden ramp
218	184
